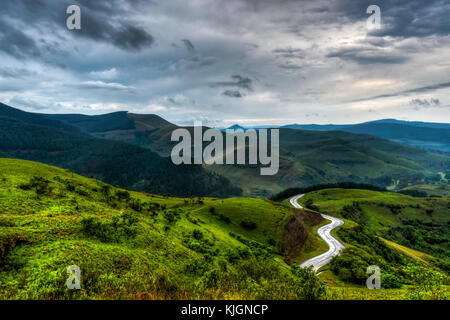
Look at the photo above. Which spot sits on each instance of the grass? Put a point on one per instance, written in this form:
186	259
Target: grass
131	245
432	189
417	222
355	293
415	254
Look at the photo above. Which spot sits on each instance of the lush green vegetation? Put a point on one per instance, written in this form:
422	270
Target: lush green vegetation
131	245
428	189
415	222
306	157
34	137
343	185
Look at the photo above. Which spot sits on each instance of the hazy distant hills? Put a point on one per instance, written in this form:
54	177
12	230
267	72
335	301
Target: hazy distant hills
307	157
45	139
427	135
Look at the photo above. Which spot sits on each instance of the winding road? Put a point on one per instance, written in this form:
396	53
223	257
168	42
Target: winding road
325	233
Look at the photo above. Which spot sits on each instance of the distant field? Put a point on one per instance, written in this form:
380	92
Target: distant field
432	189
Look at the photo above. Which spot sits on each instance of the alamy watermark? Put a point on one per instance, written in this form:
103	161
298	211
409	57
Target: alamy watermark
73	22
74	280
374	281
235	142
374	21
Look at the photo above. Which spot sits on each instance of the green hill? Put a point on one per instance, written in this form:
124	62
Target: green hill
306	157
426	135
416	222
33	137
132	245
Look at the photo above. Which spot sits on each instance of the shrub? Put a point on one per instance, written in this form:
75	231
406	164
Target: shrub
197	234
122	227
413	193
122	195
390	281
171	216
135	204
82	192
352	212
427	283
307	285
40	184
248	224
309	204
272	242
224	218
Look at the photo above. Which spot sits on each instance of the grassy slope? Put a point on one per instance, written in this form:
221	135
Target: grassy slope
415	254
341	289
41	235
30	136
432	189
394	216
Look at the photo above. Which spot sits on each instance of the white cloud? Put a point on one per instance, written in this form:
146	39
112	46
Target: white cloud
108	74
105	85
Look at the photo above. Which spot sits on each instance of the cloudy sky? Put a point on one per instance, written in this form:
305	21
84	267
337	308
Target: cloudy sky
245	61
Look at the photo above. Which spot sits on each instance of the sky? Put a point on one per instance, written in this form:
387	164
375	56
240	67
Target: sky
252	62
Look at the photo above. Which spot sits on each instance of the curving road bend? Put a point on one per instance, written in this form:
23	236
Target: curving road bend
325	233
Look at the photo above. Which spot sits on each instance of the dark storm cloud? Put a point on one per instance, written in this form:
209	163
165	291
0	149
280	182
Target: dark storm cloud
425	103
238	81
402	18
366	56
410	91
233	93
16	43
15	73
160	56
100	20
131	37
290	53
289	66
188	44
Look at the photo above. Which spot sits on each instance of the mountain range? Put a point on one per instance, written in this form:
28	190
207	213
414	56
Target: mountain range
132	150
426	135
39	138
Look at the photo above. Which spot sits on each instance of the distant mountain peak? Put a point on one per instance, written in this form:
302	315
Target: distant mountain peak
236	127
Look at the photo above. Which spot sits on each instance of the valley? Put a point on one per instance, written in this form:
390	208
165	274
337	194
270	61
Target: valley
132	245
306	157
102	194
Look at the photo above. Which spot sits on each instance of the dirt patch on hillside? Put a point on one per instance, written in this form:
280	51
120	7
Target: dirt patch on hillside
8	242
296	232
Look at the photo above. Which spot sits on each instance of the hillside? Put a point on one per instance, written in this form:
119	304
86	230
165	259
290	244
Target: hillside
416	222
306	157
416	136
132	245
372	217
145	130
426	135
309	158
33	137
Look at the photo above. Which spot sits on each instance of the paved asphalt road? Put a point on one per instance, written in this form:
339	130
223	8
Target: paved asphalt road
325	233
